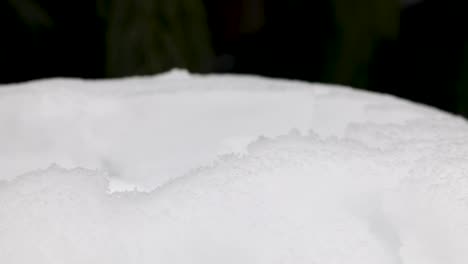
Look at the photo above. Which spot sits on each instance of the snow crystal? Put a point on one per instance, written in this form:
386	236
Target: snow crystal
182	168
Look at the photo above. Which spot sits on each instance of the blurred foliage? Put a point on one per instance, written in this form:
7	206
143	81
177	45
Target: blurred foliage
103	38
418	52
145	37
361	25
462	86
31	13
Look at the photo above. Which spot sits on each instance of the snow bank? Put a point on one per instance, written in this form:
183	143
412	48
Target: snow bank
227	169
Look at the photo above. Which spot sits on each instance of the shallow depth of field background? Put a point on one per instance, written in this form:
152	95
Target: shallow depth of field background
413	49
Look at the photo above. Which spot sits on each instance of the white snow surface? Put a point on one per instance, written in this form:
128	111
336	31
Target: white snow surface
181	168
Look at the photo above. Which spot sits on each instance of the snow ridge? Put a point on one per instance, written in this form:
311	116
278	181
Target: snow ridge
182	168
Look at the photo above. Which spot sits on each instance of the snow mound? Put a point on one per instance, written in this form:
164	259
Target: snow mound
181	168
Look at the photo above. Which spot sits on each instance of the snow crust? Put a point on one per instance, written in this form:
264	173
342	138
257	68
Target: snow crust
181	168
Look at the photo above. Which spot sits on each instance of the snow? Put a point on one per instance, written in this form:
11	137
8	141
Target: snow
181	168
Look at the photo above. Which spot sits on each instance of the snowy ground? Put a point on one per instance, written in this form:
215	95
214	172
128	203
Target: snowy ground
227	169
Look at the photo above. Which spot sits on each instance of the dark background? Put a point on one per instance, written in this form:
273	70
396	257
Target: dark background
413	49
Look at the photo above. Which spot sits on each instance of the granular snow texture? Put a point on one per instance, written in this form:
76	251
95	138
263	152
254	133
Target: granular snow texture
182	168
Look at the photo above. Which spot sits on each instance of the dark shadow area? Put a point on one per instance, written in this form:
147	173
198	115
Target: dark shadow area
412	49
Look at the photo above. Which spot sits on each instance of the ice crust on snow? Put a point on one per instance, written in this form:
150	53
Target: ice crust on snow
181	168
152	130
